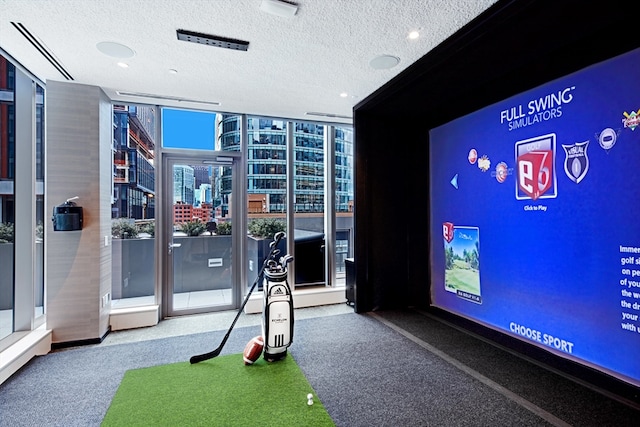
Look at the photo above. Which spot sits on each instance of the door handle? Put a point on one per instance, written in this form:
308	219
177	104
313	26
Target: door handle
173	245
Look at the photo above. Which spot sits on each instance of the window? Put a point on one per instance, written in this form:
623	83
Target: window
133	208
7	195
22	148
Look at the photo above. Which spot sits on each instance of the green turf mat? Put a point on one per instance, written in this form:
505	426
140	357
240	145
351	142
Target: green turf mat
218	392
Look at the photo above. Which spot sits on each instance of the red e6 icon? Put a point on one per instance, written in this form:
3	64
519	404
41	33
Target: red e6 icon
534	173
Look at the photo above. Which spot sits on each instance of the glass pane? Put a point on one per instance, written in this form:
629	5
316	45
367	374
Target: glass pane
188	129
202	243
309	203
133	206
266	189
344	200
7	204
39	226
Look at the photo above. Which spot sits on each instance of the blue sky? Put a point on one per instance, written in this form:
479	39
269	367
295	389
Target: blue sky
465	238
188	129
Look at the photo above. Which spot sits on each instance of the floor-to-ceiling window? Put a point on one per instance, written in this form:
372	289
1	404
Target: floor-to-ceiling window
133	208
268	201
7	196
270	185
22	150
344	199
309	206
39	203
266	154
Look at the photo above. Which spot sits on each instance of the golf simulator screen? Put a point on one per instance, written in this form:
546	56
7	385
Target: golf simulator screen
535	216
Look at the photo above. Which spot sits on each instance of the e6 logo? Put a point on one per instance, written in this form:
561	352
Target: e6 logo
535	165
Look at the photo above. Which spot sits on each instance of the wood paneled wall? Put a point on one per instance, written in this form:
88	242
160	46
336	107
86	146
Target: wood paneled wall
78	122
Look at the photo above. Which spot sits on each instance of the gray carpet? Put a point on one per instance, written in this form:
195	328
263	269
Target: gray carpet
365	373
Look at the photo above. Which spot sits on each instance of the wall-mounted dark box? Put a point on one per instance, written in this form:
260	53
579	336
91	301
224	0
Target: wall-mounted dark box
67	217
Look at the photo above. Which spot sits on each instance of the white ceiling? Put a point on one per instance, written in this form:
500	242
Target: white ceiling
292	66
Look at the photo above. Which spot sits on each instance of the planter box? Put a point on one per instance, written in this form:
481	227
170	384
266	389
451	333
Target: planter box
133	265
132	268
202	263
6	276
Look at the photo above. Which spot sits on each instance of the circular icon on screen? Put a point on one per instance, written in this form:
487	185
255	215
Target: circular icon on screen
607	138
473	156
501	172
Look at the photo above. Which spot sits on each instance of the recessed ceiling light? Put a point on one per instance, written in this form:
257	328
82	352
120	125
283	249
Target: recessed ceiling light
344	94
414	35
173	71
384	62
123	65
115	50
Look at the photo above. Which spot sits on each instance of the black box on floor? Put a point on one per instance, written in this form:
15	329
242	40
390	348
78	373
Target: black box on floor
350	270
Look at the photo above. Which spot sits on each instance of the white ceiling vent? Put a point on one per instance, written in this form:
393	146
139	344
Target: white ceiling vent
165	97
44	51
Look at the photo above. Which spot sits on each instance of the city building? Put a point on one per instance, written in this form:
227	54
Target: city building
267	162
133	168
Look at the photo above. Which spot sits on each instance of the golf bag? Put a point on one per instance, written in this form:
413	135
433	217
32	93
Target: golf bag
277	310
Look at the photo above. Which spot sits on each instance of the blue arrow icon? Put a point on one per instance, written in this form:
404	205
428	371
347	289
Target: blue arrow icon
454	181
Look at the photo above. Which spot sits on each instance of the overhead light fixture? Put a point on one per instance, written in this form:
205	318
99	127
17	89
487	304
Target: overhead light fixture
123	65
414	35
279	8
344	95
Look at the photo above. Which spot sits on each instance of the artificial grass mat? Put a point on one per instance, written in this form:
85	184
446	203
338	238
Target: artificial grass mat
219	392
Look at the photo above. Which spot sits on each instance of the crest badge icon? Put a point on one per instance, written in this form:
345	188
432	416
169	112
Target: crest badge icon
535	168
576	162
447	231
631	120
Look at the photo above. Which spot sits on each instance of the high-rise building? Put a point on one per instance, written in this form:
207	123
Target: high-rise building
183	184
7	140
133	168
266	147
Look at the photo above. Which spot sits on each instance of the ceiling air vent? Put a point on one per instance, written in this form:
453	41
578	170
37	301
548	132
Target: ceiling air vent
44	51
330	115
208	39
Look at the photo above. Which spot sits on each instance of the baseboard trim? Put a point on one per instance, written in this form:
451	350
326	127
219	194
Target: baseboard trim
35	343
134	317
305	297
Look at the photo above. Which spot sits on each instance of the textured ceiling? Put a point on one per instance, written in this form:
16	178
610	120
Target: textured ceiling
292	66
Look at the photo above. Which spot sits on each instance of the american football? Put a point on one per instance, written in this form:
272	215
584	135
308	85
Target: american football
253	350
